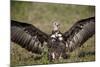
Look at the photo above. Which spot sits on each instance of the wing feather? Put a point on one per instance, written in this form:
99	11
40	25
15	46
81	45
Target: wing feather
27	36
79	33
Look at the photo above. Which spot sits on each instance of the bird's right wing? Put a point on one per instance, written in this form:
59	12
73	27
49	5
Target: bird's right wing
28	36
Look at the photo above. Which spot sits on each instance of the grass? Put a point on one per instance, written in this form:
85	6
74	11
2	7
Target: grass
41	15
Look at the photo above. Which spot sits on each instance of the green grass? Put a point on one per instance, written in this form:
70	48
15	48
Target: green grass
41	15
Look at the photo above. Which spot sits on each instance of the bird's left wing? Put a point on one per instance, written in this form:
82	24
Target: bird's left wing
79	33
28	36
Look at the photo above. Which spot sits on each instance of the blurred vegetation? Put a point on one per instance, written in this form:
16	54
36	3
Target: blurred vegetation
41	15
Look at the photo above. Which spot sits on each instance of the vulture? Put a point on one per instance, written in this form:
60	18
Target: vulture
59	44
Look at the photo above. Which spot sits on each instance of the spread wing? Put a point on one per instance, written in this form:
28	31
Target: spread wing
79	33
28	36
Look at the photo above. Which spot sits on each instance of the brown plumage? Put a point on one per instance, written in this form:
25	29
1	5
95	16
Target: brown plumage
31	38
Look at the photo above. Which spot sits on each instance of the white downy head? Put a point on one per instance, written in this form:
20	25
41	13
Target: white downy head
56	26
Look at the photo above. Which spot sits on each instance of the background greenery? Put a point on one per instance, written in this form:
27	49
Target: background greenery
41	15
